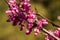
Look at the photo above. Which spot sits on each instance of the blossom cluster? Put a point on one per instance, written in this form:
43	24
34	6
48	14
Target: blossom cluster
56	33
21	13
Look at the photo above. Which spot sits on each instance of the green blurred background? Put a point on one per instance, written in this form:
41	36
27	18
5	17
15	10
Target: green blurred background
48	8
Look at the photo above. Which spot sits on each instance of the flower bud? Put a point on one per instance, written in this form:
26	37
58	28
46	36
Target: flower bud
57	32
8	12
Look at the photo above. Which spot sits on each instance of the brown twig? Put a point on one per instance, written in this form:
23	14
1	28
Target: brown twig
6	2
44	30
51	34
46	19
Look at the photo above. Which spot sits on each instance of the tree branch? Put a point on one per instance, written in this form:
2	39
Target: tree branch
44	30
46	18
51	34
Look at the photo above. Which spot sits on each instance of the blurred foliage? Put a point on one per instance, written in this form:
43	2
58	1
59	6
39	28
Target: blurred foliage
49	8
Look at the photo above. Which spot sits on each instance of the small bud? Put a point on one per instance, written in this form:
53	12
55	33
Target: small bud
44	22
28	31
36	31
57	32
8	12
35	34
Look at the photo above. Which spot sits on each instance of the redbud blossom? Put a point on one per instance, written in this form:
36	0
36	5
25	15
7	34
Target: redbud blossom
48	37
44	22
57	32
22	13
8	11
36	31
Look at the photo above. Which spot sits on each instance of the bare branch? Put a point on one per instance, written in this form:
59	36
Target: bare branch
46	19
51	34
6	2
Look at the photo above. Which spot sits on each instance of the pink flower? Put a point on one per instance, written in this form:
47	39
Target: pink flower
57	32
12	3
36	31
39	25
8	12
28	31
22	13
44	22
48	37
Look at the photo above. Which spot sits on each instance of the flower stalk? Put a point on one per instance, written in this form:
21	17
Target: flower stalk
6	2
